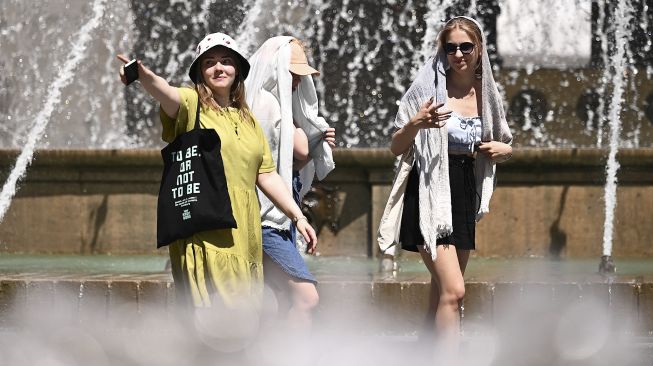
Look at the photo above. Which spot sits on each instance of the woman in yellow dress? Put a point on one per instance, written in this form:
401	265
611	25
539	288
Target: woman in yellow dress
223	265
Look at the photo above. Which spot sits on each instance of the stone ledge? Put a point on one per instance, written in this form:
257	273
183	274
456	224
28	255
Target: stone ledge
124	299
528	165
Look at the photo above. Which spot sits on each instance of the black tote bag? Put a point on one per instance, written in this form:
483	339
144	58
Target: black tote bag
193	196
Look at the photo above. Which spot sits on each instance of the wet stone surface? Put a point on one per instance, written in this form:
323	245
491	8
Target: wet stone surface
120	290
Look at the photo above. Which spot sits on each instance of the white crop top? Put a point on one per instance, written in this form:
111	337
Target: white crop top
464	133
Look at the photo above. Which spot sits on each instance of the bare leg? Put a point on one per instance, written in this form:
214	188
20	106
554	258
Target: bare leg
304	299
434	298
463	258
447	274
434	293
301	296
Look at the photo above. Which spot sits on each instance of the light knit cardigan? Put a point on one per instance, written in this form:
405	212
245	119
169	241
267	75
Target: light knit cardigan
429	152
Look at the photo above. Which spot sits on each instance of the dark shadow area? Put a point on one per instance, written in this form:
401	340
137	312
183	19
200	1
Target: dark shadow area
322	205
558	236
97	218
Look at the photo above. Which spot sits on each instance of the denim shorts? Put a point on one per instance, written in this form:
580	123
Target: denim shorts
279	245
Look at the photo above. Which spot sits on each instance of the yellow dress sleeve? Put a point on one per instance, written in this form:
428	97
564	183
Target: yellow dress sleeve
267	163
173	127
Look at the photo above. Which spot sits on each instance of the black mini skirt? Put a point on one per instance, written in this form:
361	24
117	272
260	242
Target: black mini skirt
464	207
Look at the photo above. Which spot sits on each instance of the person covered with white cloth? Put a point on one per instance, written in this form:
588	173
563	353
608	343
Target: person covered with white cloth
451	132
282	96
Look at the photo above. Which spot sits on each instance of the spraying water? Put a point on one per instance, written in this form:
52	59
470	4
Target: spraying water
43	118
367	50
605	58
248	30
434	21
616	70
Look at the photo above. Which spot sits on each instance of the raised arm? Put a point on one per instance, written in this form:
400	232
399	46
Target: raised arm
403	138
427	117
300	149
301	153
157	86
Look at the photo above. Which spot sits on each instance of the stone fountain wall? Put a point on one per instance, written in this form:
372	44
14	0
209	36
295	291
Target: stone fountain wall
547	203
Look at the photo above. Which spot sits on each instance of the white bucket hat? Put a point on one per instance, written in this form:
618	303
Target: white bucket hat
214	40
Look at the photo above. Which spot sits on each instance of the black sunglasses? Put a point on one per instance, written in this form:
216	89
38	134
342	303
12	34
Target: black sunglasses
466	48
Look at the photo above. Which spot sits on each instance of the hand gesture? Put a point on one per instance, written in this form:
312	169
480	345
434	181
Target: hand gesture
142	70
308	233
495	150
330	136
428	116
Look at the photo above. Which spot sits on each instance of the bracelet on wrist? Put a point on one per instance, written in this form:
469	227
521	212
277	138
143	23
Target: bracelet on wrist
296	219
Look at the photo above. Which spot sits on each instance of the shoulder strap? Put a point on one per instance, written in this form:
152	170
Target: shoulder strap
197	114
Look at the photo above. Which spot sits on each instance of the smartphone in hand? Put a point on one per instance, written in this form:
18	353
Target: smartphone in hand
131	71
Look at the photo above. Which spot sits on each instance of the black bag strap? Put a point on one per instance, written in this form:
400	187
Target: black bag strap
197	114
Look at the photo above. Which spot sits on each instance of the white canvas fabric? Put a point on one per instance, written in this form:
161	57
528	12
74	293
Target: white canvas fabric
431	148
390	225
304	107
269	95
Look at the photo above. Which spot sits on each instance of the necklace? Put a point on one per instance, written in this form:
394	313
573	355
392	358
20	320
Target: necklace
228	115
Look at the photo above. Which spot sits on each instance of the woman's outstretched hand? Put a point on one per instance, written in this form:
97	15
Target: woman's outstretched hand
428	116
495	150
141	69
309	235
156	86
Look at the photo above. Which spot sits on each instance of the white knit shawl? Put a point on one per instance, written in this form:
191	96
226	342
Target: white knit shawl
431	155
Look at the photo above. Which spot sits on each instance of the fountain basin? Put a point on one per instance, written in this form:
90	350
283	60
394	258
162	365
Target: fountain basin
125	288
548	202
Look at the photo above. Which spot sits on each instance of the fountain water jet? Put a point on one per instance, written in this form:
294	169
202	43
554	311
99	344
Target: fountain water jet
615	72
43	118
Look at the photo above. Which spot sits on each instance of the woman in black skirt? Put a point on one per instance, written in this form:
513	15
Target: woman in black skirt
452	177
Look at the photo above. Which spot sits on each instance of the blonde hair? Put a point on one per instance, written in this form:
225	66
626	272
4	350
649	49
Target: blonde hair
472	31
236	95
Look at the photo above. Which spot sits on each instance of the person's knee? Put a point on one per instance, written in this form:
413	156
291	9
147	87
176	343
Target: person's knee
452	295
307	297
